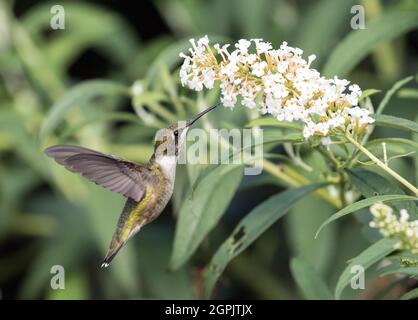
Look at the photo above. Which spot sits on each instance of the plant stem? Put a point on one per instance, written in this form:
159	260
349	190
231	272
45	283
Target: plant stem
383	166
292	178
327	154
275	171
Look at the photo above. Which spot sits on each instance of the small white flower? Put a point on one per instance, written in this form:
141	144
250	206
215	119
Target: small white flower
333	191
354	88
311	58
203	41
379	208
390	226
195	84
263	47
282	66
208	78
243	45
229	101
404	215
249	59
249	103
326	141
258	68
137	88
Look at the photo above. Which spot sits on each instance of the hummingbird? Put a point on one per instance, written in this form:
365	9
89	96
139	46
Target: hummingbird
148	188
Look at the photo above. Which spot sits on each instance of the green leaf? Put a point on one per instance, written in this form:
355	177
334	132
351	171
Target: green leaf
372	184
396	266
411	271
369	92
359	43
300	228
362	204
399	84
367	258
250	228
415	137
76	96
413	294
395	122
26	146
318	31
408	93
272	136
398	146
310	283
41	71
300	225
202	209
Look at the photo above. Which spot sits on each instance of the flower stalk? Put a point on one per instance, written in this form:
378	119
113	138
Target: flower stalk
382	165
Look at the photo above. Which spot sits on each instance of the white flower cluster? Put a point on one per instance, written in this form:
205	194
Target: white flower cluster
279	81
390	226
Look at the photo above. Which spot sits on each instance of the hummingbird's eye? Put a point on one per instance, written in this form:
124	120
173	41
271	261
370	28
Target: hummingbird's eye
176	133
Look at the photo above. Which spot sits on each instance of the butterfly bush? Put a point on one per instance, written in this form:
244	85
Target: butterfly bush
390	226
279	82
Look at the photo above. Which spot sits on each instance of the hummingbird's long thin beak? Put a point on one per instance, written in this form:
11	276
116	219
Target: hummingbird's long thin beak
200	114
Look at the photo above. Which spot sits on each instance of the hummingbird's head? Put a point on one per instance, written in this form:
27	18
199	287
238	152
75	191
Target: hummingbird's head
169	141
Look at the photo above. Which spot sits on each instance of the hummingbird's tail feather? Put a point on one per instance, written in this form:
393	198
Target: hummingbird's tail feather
128	225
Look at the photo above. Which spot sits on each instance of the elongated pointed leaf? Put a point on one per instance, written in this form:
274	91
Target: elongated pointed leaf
367	258
359	43
408	93
300	228
309	282
413	294
250	228
394	146
368	92
372	184
362	204
202	209
395	122
318	31
399	84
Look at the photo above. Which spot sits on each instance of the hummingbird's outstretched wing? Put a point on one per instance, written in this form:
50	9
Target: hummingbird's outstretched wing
112	173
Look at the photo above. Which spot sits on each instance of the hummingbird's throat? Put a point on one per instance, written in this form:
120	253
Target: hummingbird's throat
168	164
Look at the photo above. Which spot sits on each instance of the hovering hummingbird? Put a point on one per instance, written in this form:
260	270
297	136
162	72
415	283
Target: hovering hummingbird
148	188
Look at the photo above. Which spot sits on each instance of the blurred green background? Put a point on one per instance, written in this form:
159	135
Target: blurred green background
49	93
